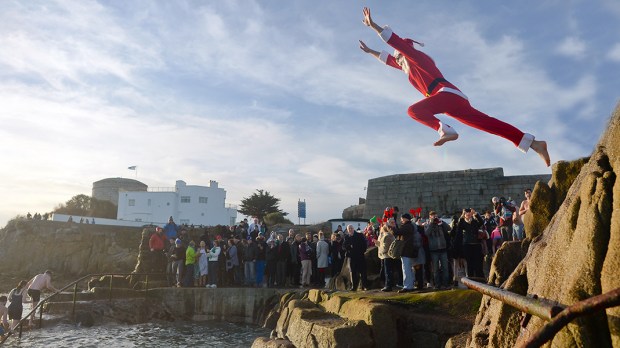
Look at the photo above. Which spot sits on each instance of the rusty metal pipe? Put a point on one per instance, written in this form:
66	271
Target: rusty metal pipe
539	308
585	307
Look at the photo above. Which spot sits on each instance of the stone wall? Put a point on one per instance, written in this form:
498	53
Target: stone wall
241	305
445	192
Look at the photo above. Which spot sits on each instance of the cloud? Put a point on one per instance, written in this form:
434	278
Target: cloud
614	53
572	47
260	97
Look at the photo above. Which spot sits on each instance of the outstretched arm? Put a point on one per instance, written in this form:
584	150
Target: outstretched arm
369	22
369	50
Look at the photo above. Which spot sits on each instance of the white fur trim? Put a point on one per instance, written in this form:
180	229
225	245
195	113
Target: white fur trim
526	142
386	33
445	129
384	56
452	90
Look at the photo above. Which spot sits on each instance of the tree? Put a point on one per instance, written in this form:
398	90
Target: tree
83	205
276	218
260	204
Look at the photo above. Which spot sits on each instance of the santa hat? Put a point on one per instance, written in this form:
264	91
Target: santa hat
409	42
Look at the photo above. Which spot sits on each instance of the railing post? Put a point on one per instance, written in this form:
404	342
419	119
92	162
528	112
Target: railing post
111	277
20	330
74	300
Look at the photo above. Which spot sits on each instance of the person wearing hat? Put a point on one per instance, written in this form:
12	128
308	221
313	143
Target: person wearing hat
442	97
37	284
412	241
171	229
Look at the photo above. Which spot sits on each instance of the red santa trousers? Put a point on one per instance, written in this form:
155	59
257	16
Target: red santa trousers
459	108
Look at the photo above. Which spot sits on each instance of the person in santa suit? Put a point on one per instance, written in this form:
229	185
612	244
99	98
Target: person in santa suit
441	95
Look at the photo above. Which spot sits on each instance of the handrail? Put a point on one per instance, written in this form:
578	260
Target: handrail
557	316
539	308
74	284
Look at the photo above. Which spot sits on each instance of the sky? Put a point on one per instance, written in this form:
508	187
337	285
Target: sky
277	95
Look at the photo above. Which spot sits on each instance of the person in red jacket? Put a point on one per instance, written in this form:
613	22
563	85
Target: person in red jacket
156	242
156	245
441	95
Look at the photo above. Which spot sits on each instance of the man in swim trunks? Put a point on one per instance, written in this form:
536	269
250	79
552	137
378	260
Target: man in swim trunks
36	285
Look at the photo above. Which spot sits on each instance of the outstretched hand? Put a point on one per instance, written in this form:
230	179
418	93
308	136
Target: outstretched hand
367	18
363	47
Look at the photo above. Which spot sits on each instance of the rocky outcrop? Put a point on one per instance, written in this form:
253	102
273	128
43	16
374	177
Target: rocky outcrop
573	256
29	247
549	196
318	318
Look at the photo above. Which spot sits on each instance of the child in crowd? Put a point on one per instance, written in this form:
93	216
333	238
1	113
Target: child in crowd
496	237
4	313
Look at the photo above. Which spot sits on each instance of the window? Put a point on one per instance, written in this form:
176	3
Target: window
138	220
148	202
132	202
184	221
203	200
185	199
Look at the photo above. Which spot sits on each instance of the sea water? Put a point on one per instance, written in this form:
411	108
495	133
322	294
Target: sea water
159	334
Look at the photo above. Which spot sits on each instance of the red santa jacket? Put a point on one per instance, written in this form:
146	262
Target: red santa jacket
423	73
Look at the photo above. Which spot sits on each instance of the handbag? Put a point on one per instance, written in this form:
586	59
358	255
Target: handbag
483	235
396	248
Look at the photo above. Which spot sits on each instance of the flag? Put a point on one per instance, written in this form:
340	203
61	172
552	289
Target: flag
132	168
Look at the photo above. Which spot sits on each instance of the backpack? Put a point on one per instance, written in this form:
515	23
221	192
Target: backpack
506	214
395	249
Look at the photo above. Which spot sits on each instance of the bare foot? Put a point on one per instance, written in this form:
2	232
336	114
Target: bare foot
445	138
540	147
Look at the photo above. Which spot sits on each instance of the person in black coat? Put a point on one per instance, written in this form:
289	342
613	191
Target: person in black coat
336	253
412	240
283	260
469	224
356	245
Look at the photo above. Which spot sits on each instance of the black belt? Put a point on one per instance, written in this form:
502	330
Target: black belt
434	84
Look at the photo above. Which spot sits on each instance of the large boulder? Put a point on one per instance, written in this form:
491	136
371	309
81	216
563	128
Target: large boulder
547	197
575	257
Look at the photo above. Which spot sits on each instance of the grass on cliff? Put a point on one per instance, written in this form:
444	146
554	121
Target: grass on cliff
457	302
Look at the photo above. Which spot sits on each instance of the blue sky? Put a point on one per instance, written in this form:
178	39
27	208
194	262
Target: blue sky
276	95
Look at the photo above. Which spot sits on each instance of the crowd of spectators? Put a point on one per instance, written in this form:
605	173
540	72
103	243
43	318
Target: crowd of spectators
435	253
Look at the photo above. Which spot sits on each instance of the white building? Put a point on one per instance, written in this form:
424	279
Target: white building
187	204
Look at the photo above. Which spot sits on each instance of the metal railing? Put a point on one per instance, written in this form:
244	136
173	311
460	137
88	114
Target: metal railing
74	284
556	315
